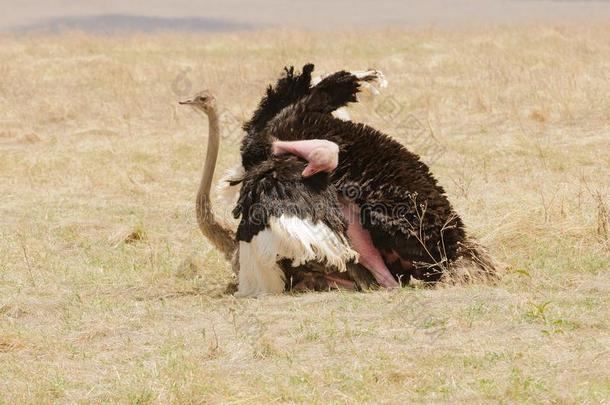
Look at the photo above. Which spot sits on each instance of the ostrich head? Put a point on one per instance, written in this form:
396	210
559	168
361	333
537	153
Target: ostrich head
323	158
203	101
321	155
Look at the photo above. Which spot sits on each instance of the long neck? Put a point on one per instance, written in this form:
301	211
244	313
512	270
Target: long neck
220	235
211	155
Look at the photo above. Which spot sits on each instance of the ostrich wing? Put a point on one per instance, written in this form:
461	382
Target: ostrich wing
288	89
340	87
293	96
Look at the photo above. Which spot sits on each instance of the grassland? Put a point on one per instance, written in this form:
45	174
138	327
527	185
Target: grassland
108	292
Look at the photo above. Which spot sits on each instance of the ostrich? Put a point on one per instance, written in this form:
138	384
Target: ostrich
221	236
288	222
400	220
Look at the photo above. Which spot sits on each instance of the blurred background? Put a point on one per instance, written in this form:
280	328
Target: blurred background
220	15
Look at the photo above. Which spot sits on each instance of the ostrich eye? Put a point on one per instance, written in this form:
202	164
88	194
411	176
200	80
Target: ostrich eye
202	98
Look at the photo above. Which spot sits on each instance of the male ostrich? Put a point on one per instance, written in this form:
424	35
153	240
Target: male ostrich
400	220
290	224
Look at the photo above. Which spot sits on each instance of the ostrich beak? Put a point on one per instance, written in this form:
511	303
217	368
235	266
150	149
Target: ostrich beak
309	171
188	101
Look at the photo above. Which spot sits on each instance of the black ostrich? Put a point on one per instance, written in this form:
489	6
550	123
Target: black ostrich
399	219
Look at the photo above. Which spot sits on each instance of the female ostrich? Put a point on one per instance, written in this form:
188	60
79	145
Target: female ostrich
289	224
400	220
219	234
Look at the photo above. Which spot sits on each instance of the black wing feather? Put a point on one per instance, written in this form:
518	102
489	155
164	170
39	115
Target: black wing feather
276	187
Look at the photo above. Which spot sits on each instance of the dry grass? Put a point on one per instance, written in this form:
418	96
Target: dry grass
108	292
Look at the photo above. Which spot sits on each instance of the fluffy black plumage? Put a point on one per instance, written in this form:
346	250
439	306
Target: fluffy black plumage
402	205
287	90
275	187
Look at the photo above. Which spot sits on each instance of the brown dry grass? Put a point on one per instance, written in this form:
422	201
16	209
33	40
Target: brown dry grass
93	149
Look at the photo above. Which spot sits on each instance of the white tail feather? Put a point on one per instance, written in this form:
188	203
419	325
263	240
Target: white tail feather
287	237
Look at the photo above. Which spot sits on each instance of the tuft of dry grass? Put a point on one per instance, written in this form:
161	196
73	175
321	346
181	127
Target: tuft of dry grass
95	154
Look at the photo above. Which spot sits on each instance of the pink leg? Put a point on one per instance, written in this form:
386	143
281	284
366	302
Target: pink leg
322	155
362	243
